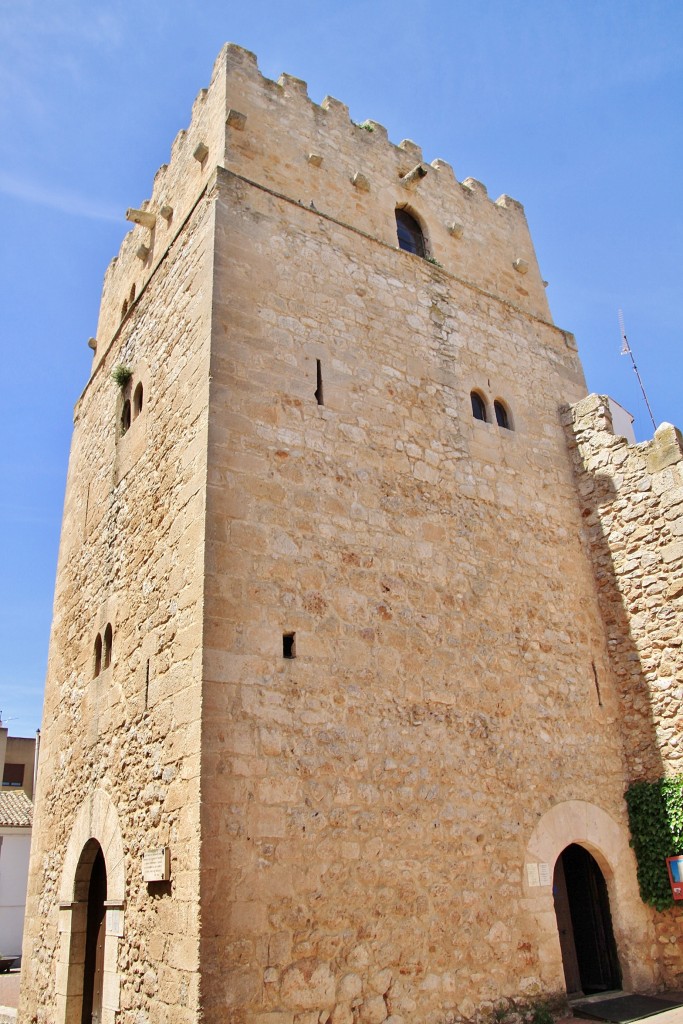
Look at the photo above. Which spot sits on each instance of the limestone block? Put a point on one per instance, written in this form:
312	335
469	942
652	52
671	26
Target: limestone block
143	217
350	988
306	987
666	448
380	981
373	1010
342	1014
236	120
361	182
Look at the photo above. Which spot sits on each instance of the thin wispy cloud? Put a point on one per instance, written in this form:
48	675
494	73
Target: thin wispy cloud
62	200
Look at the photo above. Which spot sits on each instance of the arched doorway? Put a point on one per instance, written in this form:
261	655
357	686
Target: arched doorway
87	969
584	921
95	930
92	899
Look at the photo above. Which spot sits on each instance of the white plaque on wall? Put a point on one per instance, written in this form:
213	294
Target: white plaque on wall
156	865
544	874
532	875
115	921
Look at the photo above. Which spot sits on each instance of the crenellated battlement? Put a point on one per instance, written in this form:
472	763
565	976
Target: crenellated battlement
273	134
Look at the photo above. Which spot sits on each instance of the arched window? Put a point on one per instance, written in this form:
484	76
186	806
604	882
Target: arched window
478	406
98	655
410	237
502	415
106	653
131	297
124	308
125	416
137	401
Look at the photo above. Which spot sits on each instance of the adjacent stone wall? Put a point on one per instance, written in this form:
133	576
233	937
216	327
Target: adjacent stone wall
632	508
131	555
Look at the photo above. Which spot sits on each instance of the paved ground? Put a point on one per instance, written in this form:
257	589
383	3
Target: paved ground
9	989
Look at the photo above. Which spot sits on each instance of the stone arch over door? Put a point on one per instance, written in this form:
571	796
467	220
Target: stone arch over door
96	827
586	825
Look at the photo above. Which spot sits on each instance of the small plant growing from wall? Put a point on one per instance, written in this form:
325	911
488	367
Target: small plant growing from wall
542	1010
655	817
121	374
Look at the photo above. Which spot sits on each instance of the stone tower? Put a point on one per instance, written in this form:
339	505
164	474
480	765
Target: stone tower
329	692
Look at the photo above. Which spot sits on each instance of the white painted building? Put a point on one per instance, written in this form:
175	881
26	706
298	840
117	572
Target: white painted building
17	756
16	812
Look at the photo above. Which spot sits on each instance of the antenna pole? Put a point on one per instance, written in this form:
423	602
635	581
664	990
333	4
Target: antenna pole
626	351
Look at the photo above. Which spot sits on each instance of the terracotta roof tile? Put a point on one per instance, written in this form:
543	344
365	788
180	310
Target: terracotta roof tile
16	810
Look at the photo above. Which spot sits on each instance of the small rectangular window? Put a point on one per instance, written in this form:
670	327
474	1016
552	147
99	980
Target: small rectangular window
289	645
319	382
13	775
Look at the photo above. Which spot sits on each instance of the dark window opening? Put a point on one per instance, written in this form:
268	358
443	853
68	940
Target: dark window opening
319	383
124	308
502	417
289	645
131	297
478	406
410	237
13	775
106	653
98	655
137	401
125	416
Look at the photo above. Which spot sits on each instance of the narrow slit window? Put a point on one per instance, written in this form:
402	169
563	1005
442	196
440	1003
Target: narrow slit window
319	382
125	416
410	236
289	645
478	406
107	646
98	655
137	401
502	416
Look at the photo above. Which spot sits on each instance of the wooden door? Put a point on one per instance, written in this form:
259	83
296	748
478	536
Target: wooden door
594	946
93	968
565	928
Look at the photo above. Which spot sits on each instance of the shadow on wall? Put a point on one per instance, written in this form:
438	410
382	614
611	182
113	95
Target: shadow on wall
631	503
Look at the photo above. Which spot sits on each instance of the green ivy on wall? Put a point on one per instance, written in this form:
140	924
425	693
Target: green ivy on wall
655	815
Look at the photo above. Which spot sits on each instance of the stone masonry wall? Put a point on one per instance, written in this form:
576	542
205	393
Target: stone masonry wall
131	554
325	161
367	804
632	507
349	828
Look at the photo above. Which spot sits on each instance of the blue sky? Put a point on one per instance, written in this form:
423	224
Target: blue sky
574	108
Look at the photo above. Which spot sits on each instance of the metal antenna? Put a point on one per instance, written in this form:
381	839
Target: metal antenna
626	351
